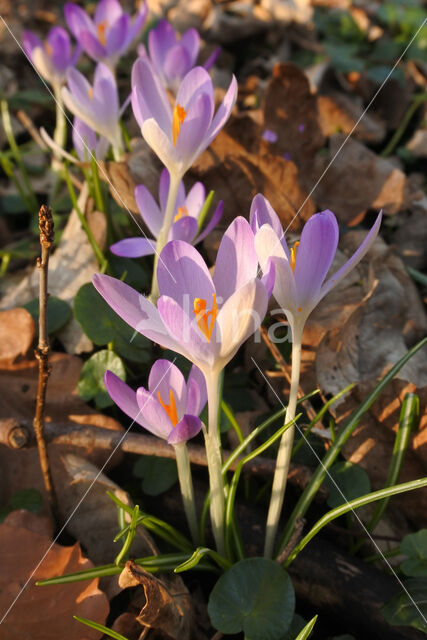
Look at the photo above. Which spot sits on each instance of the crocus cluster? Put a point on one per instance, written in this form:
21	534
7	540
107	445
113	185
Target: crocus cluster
53	57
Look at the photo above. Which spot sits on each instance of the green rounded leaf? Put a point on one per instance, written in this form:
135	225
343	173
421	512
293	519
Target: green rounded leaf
401	610
414	545
255	596
58	312
157	474
91	382
348	480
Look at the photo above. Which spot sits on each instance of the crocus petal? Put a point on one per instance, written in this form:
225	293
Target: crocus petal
236	261
263	213
133	247
183	275
193	129
78	109
196	82
134	309
108	11
212	222
191	41
187	428
157	139
43	63
269	277
136	24
149	209
224	112
105	90
77	20
209	63
316	251
59	42
29	42
184	229
197	395
177	63
92	45
123	396
160	40
84	139
354	260
151	98
79	87
165	377
164	188
240	316
117	35
154	417
195	199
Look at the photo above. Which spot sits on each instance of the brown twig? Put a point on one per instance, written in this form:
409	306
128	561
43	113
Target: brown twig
42	352
299	526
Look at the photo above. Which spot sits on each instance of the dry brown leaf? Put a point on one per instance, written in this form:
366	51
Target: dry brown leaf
44	613
168	606
410	237
339	112
17	330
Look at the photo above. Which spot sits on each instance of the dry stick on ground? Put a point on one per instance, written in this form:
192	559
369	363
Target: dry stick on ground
42	352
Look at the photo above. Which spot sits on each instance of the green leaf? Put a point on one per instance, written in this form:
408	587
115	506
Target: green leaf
305	633
12	203
58	312
414	545
91	382
157	474
401	610
100	627
255	596
346	481
29	499
297	625
102	325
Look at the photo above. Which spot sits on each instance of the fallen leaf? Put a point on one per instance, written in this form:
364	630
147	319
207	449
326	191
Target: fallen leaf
44	613
17	331
338	112
410	236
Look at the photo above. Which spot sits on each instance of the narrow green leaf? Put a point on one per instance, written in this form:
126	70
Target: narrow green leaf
100	627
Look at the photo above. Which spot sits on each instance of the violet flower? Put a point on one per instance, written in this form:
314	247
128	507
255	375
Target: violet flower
204	318
52	57
86	141
173	57
178	134
109	34
185	225
169	409
98	105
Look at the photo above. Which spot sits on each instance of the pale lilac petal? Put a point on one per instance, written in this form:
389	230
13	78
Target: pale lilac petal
164	188
149	209
151	97
154	417
108	11
183	229
196	82
240	316
160	40
177	63
29	42
209	63
84	139
105	92
195	199
164	377
182	274
316	251
79	87
197	394
133	247
137	24
189	340
92	45
263	213
117	35
212	222
134	309
161	144
187	428
191	41
269	277
236	261
77	20
193	130
59	41
354	260
224	112
123	396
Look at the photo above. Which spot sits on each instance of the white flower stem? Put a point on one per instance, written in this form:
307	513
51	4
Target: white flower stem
60	133
187	490
164	232
213	454
285	448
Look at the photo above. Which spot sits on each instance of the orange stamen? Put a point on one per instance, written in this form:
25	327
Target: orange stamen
203	314
294	256
48	49
170	408
90	92
182	211
178	117
101	32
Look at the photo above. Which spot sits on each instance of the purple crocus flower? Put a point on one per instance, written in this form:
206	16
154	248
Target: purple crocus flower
178	134
109	34
86	141
185	225
169	408
301	270
204	318
53	57
98	105
171	57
